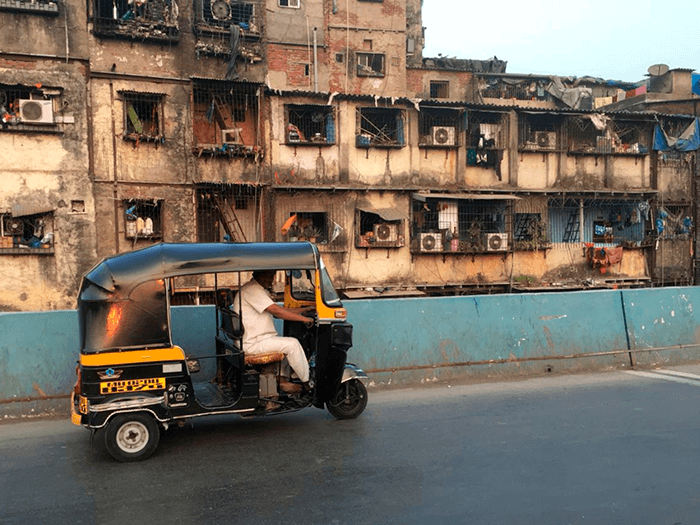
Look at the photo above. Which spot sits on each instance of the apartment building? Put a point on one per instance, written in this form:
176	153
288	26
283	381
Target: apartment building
131	123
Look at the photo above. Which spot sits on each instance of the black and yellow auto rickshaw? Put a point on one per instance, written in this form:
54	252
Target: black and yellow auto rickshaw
134	382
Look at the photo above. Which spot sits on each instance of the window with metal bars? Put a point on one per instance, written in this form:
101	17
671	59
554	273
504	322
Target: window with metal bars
308	226
25	108
600	135
147	20
30	234
41	7
377	127
439	127
143	219
538	132
370	64
460	225
439	89
142	116
486	138
378	229
225	117
495	87
309	124
222	13
227	213
604	221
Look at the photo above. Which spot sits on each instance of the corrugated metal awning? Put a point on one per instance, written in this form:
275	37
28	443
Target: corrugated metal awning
388	214
421	196
24	210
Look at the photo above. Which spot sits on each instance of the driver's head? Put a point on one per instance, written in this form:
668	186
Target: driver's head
264	277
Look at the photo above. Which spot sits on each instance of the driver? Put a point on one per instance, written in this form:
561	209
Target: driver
257	310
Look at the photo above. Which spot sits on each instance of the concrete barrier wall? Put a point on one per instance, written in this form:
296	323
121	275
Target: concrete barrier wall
408	340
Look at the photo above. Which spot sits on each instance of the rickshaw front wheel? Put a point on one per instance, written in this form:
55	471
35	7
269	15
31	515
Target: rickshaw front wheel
350	400
132	437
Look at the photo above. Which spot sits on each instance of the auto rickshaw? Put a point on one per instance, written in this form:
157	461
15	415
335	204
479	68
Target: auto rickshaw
133	382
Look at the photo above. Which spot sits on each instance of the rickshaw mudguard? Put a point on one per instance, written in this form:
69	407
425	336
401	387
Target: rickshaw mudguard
100	414
354	372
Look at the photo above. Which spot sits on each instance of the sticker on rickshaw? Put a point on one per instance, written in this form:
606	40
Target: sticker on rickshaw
132	385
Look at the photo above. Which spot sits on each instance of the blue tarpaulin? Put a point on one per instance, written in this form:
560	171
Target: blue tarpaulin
689	140
696	84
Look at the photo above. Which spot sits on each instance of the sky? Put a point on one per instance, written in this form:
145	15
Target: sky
612	40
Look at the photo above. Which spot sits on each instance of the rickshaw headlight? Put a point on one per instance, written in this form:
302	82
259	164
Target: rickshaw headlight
341	313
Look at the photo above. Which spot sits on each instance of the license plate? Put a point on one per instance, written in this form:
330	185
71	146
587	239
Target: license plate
132	385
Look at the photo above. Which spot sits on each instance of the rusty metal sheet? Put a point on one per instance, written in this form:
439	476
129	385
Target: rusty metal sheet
26	209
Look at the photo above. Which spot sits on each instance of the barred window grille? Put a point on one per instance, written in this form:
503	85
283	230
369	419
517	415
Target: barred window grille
309	124
539	132
460	225
604	221
379	230
142	116
439	127
152	19
588	136
30	234
227	212
524	90
225	115
380	127
143	219
16	113
439	89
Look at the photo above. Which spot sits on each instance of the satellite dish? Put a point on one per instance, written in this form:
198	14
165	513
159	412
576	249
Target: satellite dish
657	70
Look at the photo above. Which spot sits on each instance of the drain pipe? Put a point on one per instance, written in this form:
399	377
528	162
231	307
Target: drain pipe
315	63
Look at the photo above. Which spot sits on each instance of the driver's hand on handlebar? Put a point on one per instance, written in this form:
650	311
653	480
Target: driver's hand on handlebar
309	322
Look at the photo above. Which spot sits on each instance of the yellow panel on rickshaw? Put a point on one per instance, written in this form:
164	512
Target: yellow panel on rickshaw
132	385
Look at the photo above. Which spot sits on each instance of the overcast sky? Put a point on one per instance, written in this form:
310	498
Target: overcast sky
616	40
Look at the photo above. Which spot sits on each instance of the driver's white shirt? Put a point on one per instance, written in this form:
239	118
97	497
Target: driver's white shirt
259	324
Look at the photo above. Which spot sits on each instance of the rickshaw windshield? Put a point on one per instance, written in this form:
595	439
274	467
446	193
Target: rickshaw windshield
303	285
122	322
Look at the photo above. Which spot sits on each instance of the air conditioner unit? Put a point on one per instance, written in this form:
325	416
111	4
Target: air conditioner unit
386	233
220	9
13	226
430	242
546	140
496	242
231	136
443	136
36	111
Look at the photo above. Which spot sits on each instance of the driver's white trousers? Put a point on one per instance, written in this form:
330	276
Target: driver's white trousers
290	347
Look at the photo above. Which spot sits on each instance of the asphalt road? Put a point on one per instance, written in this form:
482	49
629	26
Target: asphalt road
615	447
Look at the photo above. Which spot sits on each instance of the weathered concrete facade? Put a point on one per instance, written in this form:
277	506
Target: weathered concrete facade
215	120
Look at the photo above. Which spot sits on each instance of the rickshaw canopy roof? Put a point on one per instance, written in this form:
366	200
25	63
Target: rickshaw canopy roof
159	261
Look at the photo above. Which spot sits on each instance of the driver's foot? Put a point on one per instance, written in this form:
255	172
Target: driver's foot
289	388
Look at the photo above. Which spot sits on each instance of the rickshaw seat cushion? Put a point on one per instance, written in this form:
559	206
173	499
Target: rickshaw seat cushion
263	359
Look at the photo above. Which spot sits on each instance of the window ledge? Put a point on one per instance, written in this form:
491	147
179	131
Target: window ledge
27	251
39	8
136	137
31	128
438	146
605	154
232	150
309	143
136	30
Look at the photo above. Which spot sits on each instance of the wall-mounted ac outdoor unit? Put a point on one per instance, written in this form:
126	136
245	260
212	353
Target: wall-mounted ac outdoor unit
546	140
36	111
496	242
443	135
430	242
231	136
220	9
386	232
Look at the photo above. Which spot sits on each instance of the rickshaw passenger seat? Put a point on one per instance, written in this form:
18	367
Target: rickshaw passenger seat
230	323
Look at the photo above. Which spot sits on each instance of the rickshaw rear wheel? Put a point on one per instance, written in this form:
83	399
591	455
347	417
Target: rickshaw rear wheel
132	437
350	400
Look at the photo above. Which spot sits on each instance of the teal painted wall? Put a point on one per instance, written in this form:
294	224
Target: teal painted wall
38	351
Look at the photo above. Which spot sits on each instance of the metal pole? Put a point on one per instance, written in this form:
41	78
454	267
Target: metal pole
315	63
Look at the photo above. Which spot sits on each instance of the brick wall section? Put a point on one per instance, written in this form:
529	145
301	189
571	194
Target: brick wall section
291	60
